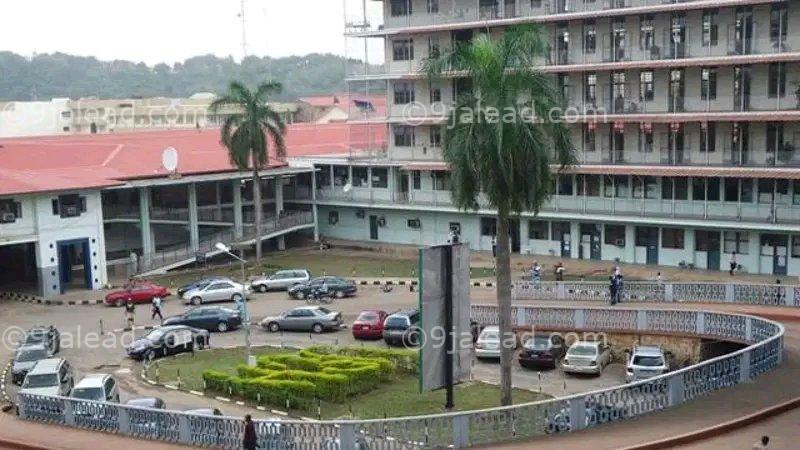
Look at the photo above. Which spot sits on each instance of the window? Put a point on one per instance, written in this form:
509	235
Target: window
645	187
380	177
436	137
537	229
705	189
559	231
646	87
646	138
778	23
795	246
615	235
589	36
706	241
414	223
708	83
647	34
564	185
69	205
323	175
622	186
589	137
400	8
433	6
403	136
591	88
736	241
10	211
674	188
774	137
434	49
435	94
360	177
441	181
731	186
672	238
341	175
416	179
710	28
536	3
403	49
776	83
708	137
403	92
488	226
588	185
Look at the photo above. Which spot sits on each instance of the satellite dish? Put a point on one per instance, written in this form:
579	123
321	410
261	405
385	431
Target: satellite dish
347	187
169	159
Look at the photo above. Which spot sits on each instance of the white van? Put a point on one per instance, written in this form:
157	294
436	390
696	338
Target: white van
51	376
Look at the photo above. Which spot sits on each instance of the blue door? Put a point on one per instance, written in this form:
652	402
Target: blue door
67	256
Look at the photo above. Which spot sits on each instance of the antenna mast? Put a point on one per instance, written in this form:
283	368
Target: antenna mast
244	30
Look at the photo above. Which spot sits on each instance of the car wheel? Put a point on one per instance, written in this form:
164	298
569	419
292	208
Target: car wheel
273	327
222	327
339	294
262	288
201	344
301	295
196	301
149	356
317	328
119	303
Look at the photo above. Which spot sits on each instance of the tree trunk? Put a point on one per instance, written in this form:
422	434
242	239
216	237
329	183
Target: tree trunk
257	211
503	265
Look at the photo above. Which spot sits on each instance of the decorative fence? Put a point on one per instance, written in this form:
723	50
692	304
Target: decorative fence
764	352
646	291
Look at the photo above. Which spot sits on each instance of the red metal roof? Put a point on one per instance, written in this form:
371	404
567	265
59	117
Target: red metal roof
54	163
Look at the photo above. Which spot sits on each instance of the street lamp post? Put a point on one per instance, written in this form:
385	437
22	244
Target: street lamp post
246	315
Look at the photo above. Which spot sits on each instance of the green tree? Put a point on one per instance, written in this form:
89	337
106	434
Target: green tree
249	125
502	139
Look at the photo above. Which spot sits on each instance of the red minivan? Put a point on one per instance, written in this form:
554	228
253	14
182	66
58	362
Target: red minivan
369	324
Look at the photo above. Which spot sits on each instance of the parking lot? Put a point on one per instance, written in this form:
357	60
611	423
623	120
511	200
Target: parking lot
89	352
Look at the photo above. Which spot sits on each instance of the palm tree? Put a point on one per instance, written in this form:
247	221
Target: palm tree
503	137
250	124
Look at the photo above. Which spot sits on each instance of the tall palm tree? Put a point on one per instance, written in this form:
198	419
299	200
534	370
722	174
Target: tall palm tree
502	139
249	124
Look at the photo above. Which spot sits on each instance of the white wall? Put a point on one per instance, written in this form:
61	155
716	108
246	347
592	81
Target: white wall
34	118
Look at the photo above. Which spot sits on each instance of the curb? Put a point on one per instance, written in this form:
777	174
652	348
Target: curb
717	430
25	298
135	328
3	378
17	445
377	282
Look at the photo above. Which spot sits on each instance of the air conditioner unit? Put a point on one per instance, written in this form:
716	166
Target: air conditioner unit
70	211
381	221
8	217
414	223
620	242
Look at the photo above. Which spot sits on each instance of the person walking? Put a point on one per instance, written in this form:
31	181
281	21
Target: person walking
157	308
130	313
250	441
619	289
612	289
536	272
762	444
734	265
560	271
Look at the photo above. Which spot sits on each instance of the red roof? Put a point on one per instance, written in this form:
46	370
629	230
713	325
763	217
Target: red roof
346	101
42	164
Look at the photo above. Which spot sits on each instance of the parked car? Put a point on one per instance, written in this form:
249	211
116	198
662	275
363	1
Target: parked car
216	291
645	362
369	324
211	318
542	350
195	284
45	335
25	358
51	376
402	328
304	318
147	402
142	292
168	340
488	344
338	287
204	412
281	280
100	387
586	357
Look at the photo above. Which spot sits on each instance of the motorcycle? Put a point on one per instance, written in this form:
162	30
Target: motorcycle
318	296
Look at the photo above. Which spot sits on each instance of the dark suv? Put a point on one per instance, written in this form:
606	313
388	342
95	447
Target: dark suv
402	328
542	350
43	335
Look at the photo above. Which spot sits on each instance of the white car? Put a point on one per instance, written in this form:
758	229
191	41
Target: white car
645	362
216	291
49	377
586	357
488	343
281	280
100	387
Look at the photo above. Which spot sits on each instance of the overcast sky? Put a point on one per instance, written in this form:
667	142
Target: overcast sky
156	31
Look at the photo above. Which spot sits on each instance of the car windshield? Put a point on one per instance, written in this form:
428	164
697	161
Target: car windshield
94	393
490	336
582	350
41	380
368	317
323	311
396	322
648	361
34	338
154	335
31	355
539	343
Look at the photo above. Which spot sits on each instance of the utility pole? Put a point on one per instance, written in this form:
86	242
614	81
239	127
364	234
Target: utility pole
244	30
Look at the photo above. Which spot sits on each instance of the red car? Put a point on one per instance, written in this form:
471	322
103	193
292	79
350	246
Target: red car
369	324
137	293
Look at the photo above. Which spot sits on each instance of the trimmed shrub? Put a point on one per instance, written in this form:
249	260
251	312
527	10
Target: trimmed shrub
404	360
216	380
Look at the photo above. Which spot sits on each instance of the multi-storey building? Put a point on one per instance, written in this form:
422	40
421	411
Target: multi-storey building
684	117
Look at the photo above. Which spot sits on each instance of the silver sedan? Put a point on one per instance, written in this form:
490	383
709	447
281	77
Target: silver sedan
216	291
304	318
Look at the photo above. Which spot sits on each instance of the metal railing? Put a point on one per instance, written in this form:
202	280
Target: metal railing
764	351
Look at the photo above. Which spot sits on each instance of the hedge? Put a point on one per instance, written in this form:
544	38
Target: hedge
298	393
405	360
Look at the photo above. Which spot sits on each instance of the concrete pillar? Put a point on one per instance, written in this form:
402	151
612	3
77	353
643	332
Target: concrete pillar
314	210
688	245
281	241
523	236
575	240
755	252
148	244
630	243
194	228
238	227
218	206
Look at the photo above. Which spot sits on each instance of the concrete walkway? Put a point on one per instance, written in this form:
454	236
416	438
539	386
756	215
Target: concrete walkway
771	388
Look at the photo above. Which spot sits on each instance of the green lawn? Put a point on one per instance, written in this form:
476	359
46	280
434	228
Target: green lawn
400	397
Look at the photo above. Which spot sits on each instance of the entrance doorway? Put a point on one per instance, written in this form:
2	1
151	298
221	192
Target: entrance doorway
74	264
709	242
513	235
590	244
373	228
647	237
774	252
